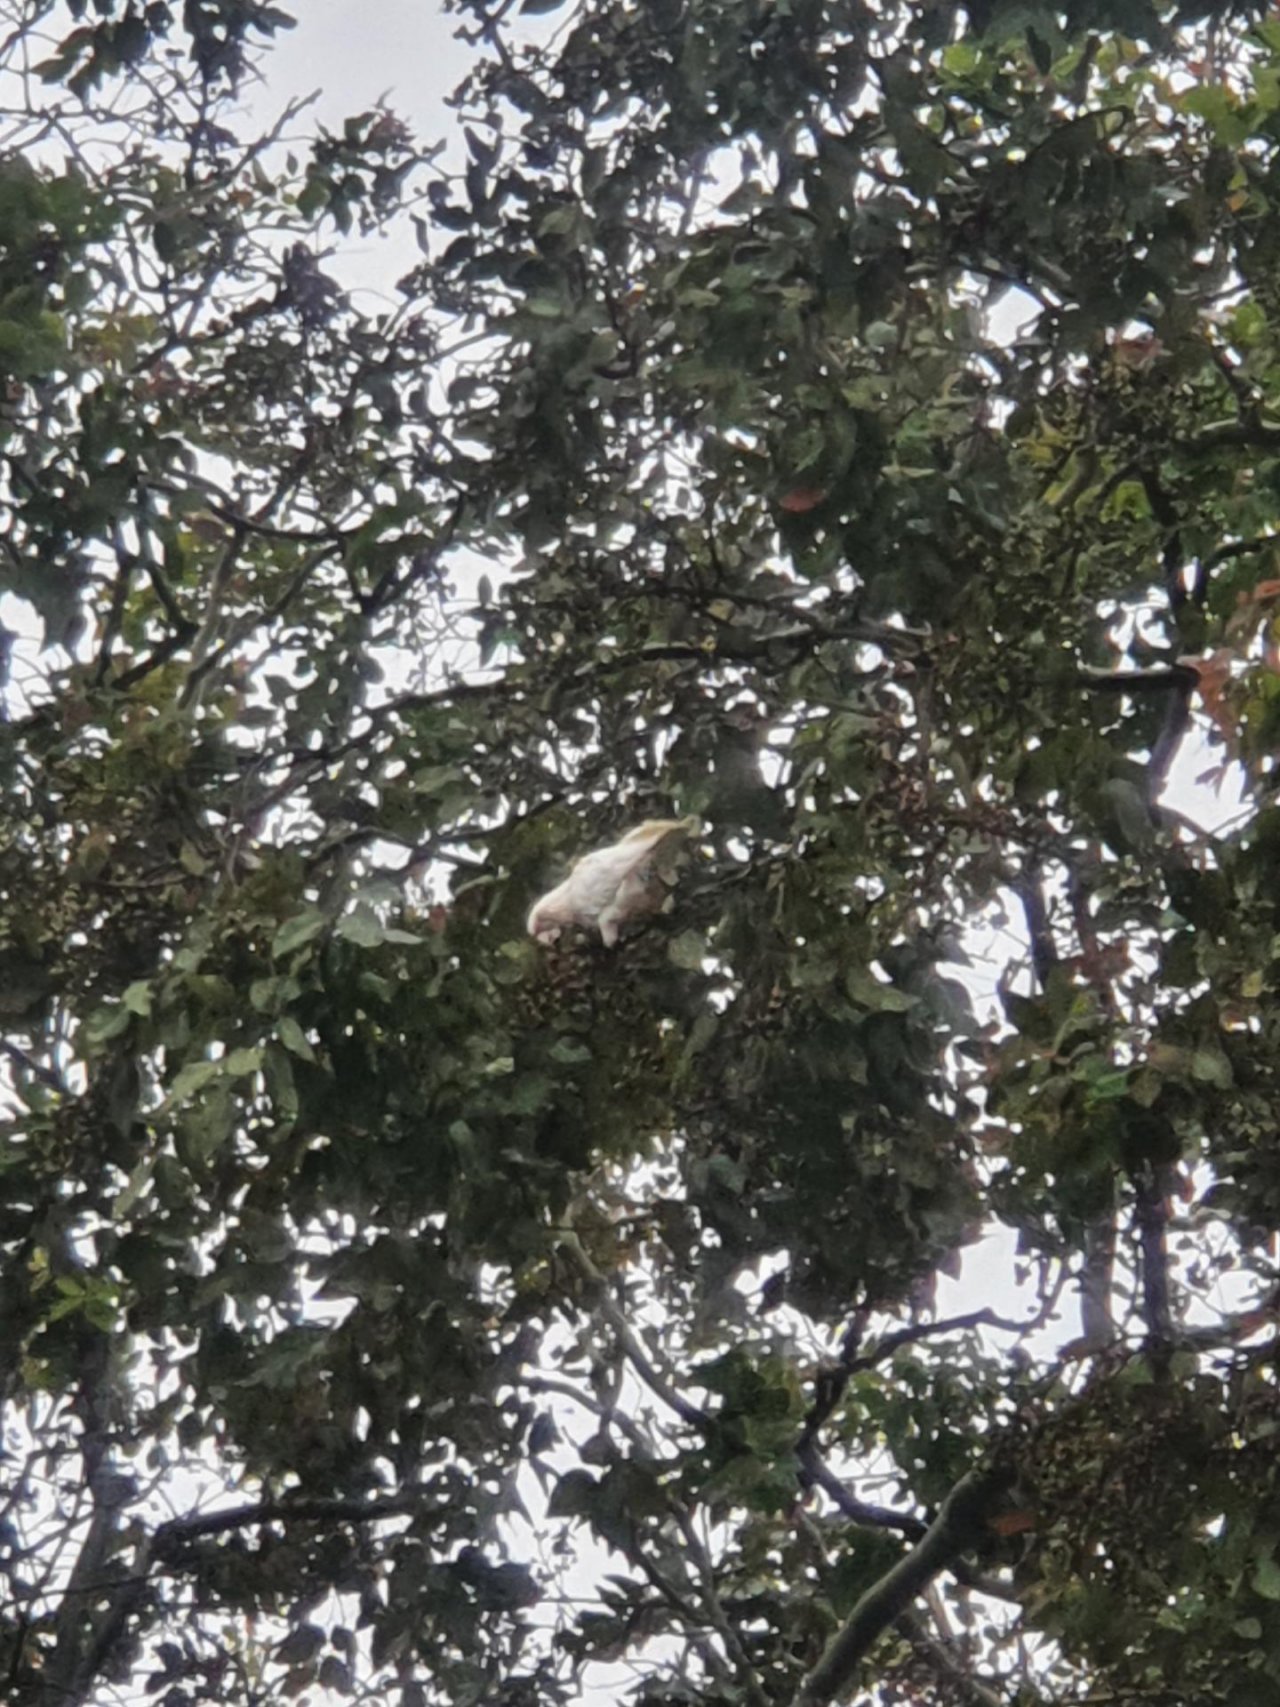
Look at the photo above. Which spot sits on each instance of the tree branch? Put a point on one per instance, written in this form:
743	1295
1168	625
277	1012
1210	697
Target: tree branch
832	1380
1156	680
961	1522
28	1064
165	1549
126	563
820	1475
944	1662
1044	950
1151	1215
687	1612
85	1635
1227	435
1097	1329
628	1339
748	1678
1239	548
179	1532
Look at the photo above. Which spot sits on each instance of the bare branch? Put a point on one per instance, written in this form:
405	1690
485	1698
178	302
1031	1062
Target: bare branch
28	1064
747	1675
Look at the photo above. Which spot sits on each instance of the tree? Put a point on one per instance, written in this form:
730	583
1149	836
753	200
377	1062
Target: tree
398	1307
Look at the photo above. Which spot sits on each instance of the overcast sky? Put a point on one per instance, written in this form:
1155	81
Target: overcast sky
356	51
353	54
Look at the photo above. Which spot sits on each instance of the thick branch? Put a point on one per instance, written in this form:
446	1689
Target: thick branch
1239	548
1044	951
884	1517
1165	511
114	622
81	1628
1177	720
1156	680
178	1533
983	1318
1097	1329
820	1475
1151	1215
1246	434
957	1526
159	655
125	1596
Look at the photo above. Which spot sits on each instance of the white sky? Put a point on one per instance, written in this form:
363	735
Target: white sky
356	51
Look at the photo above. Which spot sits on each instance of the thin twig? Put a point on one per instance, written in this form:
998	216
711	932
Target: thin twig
628	1339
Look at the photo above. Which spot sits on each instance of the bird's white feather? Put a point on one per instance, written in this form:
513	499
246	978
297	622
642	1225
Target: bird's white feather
608	886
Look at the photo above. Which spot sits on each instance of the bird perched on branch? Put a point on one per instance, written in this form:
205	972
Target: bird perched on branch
627	880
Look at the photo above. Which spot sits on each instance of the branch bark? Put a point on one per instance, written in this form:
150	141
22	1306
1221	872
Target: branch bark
820	1475
959	1523
1151	1214
629	1340
1158	679
87	1600
947	1665
105	1596
1097	1328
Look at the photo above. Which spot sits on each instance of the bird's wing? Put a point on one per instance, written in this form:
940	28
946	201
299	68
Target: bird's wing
594	881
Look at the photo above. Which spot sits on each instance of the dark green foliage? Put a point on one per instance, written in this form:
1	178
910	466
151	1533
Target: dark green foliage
859	427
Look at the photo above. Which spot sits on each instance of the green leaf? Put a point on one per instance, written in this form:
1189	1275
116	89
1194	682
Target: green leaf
294	1038
1231	122
871	992
300	1645
206	1127
106	1023
1211	1067
688	950
568	1052
363	927
135	1189
807	413
191	1078
335	1674
294	933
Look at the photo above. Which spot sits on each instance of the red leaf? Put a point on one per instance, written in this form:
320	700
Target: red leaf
1012	1522
802	499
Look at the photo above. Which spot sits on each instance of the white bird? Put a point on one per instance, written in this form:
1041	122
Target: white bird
624	881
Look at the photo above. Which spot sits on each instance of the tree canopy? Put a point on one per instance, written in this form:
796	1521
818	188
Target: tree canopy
857	427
